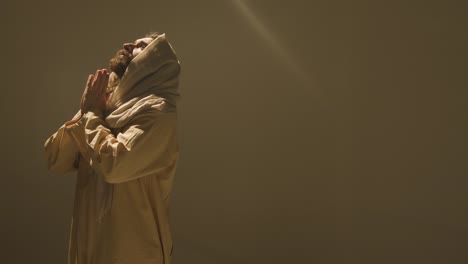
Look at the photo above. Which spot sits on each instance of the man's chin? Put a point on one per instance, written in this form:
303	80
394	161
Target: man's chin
118	67
119	63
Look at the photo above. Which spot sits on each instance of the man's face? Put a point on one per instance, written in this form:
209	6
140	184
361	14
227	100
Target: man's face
138	46
119	63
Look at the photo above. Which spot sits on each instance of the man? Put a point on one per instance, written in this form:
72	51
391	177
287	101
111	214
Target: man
123	144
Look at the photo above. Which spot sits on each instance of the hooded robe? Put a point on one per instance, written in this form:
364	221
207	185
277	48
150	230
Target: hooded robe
126	160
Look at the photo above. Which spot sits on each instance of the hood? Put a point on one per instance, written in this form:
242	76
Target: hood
151	80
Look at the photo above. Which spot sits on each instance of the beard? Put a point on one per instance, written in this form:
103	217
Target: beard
120	61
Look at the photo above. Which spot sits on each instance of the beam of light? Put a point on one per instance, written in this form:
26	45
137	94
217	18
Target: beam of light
319	99
275	45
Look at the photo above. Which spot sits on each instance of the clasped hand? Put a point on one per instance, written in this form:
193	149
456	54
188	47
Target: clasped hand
94	95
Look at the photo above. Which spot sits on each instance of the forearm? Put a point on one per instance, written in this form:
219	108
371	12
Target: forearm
142	148
61	152
87	130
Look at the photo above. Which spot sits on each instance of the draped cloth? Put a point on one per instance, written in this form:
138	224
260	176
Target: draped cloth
151	80
126	159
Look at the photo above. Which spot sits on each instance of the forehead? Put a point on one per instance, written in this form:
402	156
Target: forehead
146	40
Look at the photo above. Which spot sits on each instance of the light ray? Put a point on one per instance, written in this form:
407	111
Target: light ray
273	42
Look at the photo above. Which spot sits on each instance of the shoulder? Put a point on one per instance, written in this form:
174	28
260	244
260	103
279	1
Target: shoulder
147	110
154	118
153	105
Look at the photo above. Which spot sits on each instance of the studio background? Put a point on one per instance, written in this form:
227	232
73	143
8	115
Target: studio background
310	131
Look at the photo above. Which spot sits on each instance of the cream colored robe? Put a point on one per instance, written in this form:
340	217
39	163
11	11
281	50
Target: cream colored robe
126	160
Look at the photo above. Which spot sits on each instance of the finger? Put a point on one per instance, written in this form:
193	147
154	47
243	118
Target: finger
88	83
105	76
99	82
90	80
103	84
102	79
96	76
106	82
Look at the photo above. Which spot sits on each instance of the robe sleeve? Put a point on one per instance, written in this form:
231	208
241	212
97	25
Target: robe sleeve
62	153
145	146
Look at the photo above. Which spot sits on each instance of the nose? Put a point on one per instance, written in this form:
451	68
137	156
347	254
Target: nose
129	47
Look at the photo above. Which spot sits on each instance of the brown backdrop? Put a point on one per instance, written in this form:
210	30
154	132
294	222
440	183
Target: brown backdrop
311	131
